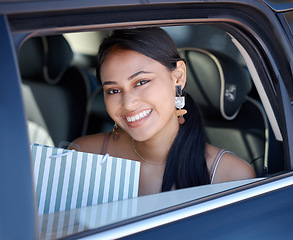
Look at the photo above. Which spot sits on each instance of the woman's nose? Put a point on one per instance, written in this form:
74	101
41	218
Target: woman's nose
129	101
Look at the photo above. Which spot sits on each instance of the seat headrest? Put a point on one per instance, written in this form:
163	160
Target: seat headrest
45	58
216	82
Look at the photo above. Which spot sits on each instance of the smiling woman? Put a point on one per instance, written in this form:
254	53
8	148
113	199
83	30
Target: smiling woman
141	73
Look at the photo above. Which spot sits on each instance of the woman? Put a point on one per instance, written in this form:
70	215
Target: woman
141	73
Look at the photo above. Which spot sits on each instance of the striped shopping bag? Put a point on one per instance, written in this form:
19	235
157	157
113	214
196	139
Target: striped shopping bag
67	179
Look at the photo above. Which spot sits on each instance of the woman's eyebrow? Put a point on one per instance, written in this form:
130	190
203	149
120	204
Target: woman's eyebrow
131	77
138	73
109	83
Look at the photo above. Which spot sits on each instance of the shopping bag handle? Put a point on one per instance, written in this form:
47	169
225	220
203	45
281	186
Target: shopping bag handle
105	157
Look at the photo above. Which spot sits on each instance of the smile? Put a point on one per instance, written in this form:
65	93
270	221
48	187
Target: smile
138	116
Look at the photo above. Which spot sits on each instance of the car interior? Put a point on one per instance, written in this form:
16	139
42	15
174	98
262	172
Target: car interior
64	100
55	92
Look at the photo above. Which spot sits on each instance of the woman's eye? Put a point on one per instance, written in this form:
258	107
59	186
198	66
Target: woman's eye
113	91
142	82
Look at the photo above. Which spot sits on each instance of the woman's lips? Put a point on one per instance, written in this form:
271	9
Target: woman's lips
137	119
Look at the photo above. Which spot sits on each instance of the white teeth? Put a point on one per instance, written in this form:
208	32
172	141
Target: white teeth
138	116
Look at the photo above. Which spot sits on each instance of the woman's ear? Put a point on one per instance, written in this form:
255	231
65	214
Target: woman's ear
179	74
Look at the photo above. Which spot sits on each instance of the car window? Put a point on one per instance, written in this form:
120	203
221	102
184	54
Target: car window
55	119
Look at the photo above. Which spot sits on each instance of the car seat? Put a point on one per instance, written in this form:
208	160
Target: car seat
233	120
55	92
37	128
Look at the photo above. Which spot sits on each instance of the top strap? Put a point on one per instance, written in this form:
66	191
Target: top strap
216	163
105	143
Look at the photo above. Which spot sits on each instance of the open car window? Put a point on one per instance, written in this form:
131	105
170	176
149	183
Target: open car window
217	65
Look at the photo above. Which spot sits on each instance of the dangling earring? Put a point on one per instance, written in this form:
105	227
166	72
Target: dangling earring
116	132
180	103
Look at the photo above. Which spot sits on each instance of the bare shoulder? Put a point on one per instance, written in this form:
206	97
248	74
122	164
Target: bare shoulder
230	167
90	143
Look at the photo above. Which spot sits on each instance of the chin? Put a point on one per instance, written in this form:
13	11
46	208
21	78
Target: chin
141	136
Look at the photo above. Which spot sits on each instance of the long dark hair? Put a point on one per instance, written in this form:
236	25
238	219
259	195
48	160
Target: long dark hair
186	165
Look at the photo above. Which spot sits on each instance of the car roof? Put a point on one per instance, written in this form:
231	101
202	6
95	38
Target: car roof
280	5
22	6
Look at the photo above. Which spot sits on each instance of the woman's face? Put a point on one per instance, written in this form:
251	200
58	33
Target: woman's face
139	94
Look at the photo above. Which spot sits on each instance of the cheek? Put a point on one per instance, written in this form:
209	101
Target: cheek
168	101
168	105
163	99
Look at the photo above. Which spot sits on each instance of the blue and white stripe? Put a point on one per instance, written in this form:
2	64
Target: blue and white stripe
77	179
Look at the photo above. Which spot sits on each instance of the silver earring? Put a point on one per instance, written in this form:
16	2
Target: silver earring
179	104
